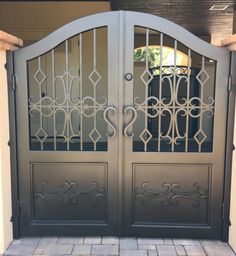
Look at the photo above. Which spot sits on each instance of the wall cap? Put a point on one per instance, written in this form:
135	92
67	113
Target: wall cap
229	42
9	42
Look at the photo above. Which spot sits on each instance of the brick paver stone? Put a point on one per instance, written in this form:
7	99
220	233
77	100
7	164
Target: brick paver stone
180	250
194	250
166	250
70	240
48	240
218	251
152	252
150	241
110	240
20	249
212	243
82	249
105	249
93	240
128	243
146	246
168	241
27	240
133	253
54	249
186	242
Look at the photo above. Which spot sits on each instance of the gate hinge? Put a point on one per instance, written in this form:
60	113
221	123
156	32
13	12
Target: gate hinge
18	211
13	82
229	83
223	211
18	208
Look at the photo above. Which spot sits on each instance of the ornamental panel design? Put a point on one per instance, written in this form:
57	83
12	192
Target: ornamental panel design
70	193
68	104
171	194
173	96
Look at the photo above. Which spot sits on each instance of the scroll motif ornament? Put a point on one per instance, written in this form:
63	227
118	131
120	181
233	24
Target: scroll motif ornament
171	194
66	106
70	193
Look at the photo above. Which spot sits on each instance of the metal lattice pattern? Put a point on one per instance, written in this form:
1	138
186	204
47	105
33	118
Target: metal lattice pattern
63	108
174	110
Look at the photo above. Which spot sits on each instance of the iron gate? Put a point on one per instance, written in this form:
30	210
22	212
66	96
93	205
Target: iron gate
121	123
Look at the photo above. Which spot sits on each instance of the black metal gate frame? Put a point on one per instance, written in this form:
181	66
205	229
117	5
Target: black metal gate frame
228	150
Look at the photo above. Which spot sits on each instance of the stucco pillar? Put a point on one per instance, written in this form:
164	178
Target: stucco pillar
230	43
7	42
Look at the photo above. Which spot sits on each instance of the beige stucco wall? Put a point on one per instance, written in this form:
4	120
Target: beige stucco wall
5	177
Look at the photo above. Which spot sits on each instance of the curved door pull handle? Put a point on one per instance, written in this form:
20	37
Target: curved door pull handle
127	133
113	111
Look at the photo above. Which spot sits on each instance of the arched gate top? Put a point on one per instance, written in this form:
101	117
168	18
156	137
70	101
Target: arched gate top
123	18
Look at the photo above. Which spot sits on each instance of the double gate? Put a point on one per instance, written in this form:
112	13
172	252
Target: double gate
121	130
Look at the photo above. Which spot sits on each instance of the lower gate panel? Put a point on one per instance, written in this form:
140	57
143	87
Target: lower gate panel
170	196
72	195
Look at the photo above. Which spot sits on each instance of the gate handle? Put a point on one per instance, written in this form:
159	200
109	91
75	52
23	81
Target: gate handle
113	109
129	134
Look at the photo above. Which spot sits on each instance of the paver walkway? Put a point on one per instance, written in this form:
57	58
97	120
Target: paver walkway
52	246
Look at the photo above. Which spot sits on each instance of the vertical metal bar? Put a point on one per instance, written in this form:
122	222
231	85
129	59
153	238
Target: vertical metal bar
188	92
40	108
94	87
160	94
121	100
54	100
201	102
146	88
81	88
174	96
67	117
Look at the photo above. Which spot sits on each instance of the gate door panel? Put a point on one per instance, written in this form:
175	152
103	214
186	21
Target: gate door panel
67	141
175	113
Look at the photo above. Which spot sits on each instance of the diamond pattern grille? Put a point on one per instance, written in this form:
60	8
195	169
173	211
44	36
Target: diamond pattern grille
95	135
40	77
41	135
202	77
200	136
145	136
95	77
146	77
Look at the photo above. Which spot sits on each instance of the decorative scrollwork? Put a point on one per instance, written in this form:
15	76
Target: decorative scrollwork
134	117
172	109
171	194
64	114
70	193
105	116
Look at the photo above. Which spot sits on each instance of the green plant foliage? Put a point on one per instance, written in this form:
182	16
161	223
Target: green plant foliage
153	56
